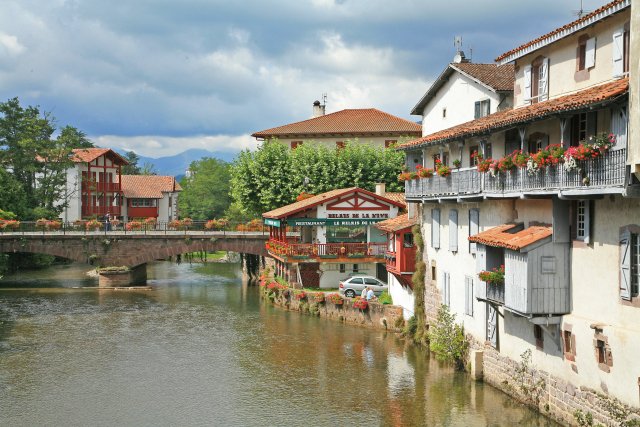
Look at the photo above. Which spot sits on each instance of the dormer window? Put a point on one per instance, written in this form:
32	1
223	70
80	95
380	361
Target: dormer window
482	108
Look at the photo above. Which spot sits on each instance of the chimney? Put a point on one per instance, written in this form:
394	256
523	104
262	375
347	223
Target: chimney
381	189
318	109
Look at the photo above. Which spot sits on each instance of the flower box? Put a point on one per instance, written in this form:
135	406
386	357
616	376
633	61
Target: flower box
300	257
335	299
361	304
358	255
329	256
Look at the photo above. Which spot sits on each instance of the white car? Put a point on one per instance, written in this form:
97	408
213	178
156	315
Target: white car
354	285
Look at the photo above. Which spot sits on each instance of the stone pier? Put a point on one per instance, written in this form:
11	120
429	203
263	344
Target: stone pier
115	277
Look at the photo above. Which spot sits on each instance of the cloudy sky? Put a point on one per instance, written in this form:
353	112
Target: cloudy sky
161	76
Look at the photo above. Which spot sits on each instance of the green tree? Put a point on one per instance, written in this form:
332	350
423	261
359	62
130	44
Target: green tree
36	161
132	168
446	338
274	175
205	194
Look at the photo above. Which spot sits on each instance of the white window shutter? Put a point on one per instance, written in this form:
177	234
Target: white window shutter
543	83
435	228
618	52
453	230
587	221
474	228
625	264
527	84
590	53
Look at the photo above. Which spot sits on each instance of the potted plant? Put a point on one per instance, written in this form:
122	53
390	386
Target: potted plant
133	226
493	277
457	163
335	299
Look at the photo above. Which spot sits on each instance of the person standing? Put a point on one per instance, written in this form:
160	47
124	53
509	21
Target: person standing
370	295
363	294
107	221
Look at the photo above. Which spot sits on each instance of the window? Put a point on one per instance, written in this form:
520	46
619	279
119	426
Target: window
601	351
390	143
142	203
629	262
435	228
356	281
473	158
539	336
468	296
537	141
482	108
355	268
343	268
488	150
569	341
446	289
295	144
444	113
586	53
583	212
474	227
371	282
445	159
392	243
453	230
536	81
511	140
407	240
340	145
603	354
620	51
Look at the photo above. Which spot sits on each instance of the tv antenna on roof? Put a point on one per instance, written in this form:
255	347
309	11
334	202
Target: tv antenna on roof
581	12
324	99
457	43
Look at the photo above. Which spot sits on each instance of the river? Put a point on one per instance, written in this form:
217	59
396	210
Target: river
202	349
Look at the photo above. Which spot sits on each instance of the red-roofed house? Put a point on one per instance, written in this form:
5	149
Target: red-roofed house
367	125
335	236
150	196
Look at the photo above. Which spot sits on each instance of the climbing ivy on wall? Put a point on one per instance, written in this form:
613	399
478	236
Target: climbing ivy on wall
418	280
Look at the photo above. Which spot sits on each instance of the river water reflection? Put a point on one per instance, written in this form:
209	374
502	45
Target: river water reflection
201	349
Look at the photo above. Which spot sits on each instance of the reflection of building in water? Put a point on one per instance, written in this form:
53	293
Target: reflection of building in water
400	373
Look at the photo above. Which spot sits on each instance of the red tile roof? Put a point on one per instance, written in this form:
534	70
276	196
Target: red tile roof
497	78
567	29
305	204
503	236
351	122
396	197
86	155
509	118
148	186
398	223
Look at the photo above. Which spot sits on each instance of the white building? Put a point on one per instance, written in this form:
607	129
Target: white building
567	233
150	196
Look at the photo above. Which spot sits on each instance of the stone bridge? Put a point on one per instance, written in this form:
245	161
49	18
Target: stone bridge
130	251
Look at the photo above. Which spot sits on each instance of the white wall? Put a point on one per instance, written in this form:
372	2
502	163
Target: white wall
401	295
562	60
73	211
331	275
458	95
330	142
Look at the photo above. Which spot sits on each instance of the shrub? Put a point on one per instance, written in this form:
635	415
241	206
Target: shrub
385	298
446	338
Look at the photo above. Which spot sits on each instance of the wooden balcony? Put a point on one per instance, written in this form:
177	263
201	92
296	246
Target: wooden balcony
490	292
327	252
102	187
602	175
88	211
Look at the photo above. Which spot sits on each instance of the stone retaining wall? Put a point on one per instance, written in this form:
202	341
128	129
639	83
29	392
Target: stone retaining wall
376	316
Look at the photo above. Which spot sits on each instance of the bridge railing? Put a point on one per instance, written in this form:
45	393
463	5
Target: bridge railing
130	227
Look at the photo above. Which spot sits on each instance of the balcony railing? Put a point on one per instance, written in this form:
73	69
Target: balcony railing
601	172
103	187
101	210
327	250
490	292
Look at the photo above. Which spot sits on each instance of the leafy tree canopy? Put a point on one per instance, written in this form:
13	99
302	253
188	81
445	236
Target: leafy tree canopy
274	175
205	193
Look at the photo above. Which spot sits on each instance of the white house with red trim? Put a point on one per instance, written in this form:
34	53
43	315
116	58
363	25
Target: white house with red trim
565	227
95	186
327	237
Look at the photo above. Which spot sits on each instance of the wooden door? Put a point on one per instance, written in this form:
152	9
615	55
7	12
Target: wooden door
492	326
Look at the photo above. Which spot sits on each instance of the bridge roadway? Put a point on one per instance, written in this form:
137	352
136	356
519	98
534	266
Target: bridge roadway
130	249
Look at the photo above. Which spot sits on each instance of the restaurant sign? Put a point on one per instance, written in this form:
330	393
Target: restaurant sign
272	222
309	222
